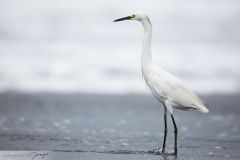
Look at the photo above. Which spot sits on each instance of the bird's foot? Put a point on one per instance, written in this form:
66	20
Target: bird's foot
159	151
171	153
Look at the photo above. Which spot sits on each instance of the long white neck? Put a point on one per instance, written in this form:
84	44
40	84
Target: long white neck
146	49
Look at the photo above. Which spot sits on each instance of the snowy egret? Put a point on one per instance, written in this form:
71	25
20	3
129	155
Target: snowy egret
166	88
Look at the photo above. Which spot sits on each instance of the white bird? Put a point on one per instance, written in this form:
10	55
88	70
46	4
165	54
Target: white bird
166	88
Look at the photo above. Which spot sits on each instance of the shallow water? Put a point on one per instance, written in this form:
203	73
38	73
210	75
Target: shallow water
116	126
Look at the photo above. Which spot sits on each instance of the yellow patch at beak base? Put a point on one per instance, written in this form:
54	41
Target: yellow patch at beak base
132	17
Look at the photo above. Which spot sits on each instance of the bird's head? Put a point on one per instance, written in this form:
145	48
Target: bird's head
139	16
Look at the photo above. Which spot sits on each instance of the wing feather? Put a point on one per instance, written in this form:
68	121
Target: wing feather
165	84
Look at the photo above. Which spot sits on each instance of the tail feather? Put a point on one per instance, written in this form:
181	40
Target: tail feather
201	108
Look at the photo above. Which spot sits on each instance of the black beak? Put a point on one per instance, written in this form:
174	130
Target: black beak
122	19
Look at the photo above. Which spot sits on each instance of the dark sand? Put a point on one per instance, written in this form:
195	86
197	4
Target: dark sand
91	126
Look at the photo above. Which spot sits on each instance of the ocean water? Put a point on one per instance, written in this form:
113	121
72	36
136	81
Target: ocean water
73	45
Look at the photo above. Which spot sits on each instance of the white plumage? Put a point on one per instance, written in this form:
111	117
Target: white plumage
166	88
169	90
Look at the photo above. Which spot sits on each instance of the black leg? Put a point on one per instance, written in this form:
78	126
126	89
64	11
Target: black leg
175	133
165	129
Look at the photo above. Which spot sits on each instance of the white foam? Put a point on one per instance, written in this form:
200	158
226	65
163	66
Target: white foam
71	53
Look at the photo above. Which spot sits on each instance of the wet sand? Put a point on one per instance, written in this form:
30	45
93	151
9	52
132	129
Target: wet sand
130	126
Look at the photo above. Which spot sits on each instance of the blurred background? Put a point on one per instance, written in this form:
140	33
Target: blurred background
73	45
